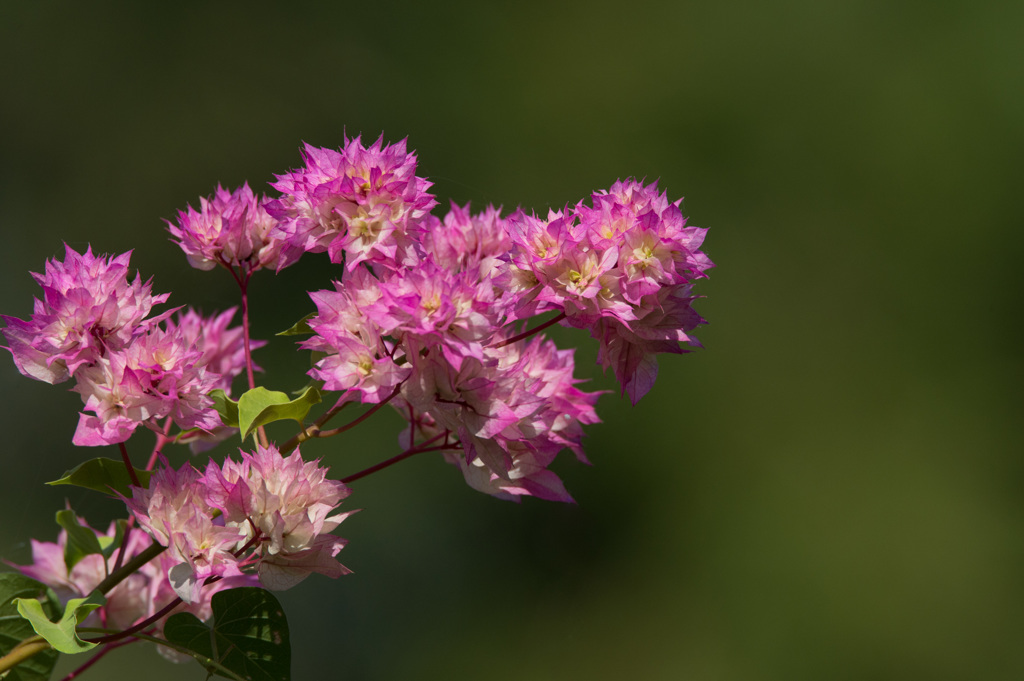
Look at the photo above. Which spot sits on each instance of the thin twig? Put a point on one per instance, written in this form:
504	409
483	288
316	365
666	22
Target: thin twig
400	457
128	465
529	332
309	432
243	285
314	430
94	659
152	619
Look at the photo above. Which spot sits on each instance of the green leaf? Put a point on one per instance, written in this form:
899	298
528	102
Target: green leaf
300	328
226	407
103	475
14	628
249	635
110	544
81	541
260	406
61	635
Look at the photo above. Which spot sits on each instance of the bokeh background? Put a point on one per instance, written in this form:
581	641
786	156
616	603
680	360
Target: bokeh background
832	489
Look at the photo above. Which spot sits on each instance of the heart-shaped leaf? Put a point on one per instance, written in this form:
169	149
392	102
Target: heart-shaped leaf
260	406
249	636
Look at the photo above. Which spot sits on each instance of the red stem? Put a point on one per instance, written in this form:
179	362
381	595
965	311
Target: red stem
149	621
369	412
128	465
161	440
311	431
400	457
243	285
529	332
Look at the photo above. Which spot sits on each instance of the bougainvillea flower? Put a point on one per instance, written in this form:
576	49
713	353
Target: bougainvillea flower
283	506
174	510
88	306
161	374
231	229
221	346
357	203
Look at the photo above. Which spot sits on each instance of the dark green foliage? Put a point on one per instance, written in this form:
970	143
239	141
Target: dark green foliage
248	637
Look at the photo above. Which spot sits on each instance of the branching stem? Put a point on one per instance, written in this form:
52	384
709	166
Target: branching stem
401	457
315	429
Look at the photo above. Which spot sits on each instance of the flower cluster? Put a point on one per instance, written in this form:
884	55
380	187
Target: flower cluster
93	325
621	268
424	310
88	306
269	512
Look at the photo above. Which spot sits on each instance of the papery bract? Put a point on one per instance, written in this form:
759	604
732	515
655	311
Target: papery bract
284	505
356	203
175	511
221	347
230	229
161	374
88	306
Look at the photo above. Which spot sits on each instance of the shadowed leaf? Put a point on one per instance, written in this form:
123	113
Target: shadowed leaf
249	635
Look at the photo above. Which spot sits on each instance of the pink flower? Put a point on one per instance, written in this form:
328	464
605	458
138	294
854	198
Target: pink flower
512	413
356	358
284	505
527	476
230	229
174	510
222	351
431	303
159	375
631	351
88	307
356	203
354	367
613	268
463	242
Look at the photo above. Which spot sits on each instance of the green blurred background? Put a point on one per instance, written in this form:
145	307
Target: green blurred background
832	489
